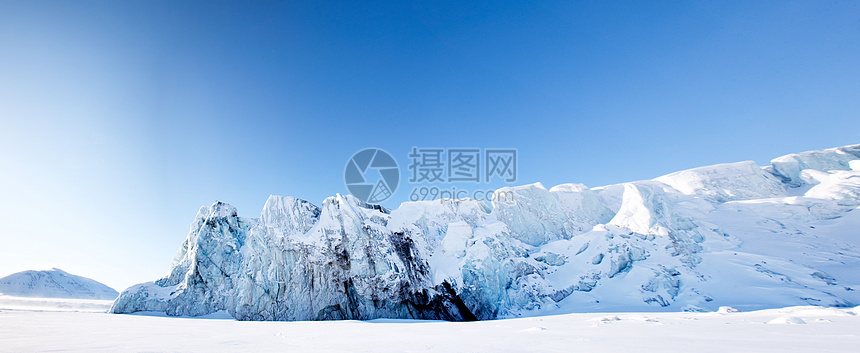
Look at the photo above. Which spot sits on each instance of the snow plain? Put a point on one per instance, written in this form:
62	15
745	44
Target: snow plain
793	329
54	304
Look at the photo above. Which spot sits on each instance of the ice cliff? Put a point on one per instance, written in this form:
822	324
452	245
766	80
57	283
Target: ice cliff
725	235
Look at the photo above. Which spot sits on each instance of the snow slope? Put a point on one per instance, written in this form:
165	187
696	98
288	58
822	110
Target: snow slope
796	329
731	234
54	283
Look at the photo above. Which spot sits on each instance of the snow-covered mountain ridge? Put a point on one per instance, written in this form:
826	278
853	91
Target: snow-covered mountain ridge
731	234
54	283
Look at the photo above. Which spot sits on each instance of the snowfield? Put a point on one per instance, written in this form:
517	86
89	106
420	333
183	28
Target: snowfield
794	329
54	304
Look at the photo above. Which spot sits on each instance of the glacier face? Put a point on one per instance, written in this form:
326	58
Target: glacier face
725	235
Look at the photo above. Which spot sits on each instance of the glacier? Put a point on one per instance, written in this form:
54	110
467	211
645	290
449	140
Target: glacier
733	234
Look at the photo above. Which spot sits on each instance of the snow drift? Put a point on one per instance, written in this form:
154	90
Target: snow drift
733	234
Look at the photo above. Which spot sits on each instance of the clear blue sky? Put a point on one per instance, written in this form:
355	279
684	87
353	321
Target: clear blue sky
121	118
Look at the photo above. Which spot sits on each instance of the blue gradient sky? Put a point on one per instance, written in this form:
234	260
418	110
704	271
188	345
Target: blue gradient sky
121	118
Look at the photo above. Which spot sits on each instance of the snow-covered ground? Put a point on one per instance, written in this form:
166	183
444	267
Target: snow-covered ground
54	304
793	329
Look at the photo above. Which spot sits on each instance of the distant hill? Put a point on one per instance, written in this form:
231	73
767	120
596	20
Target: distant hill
54	283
